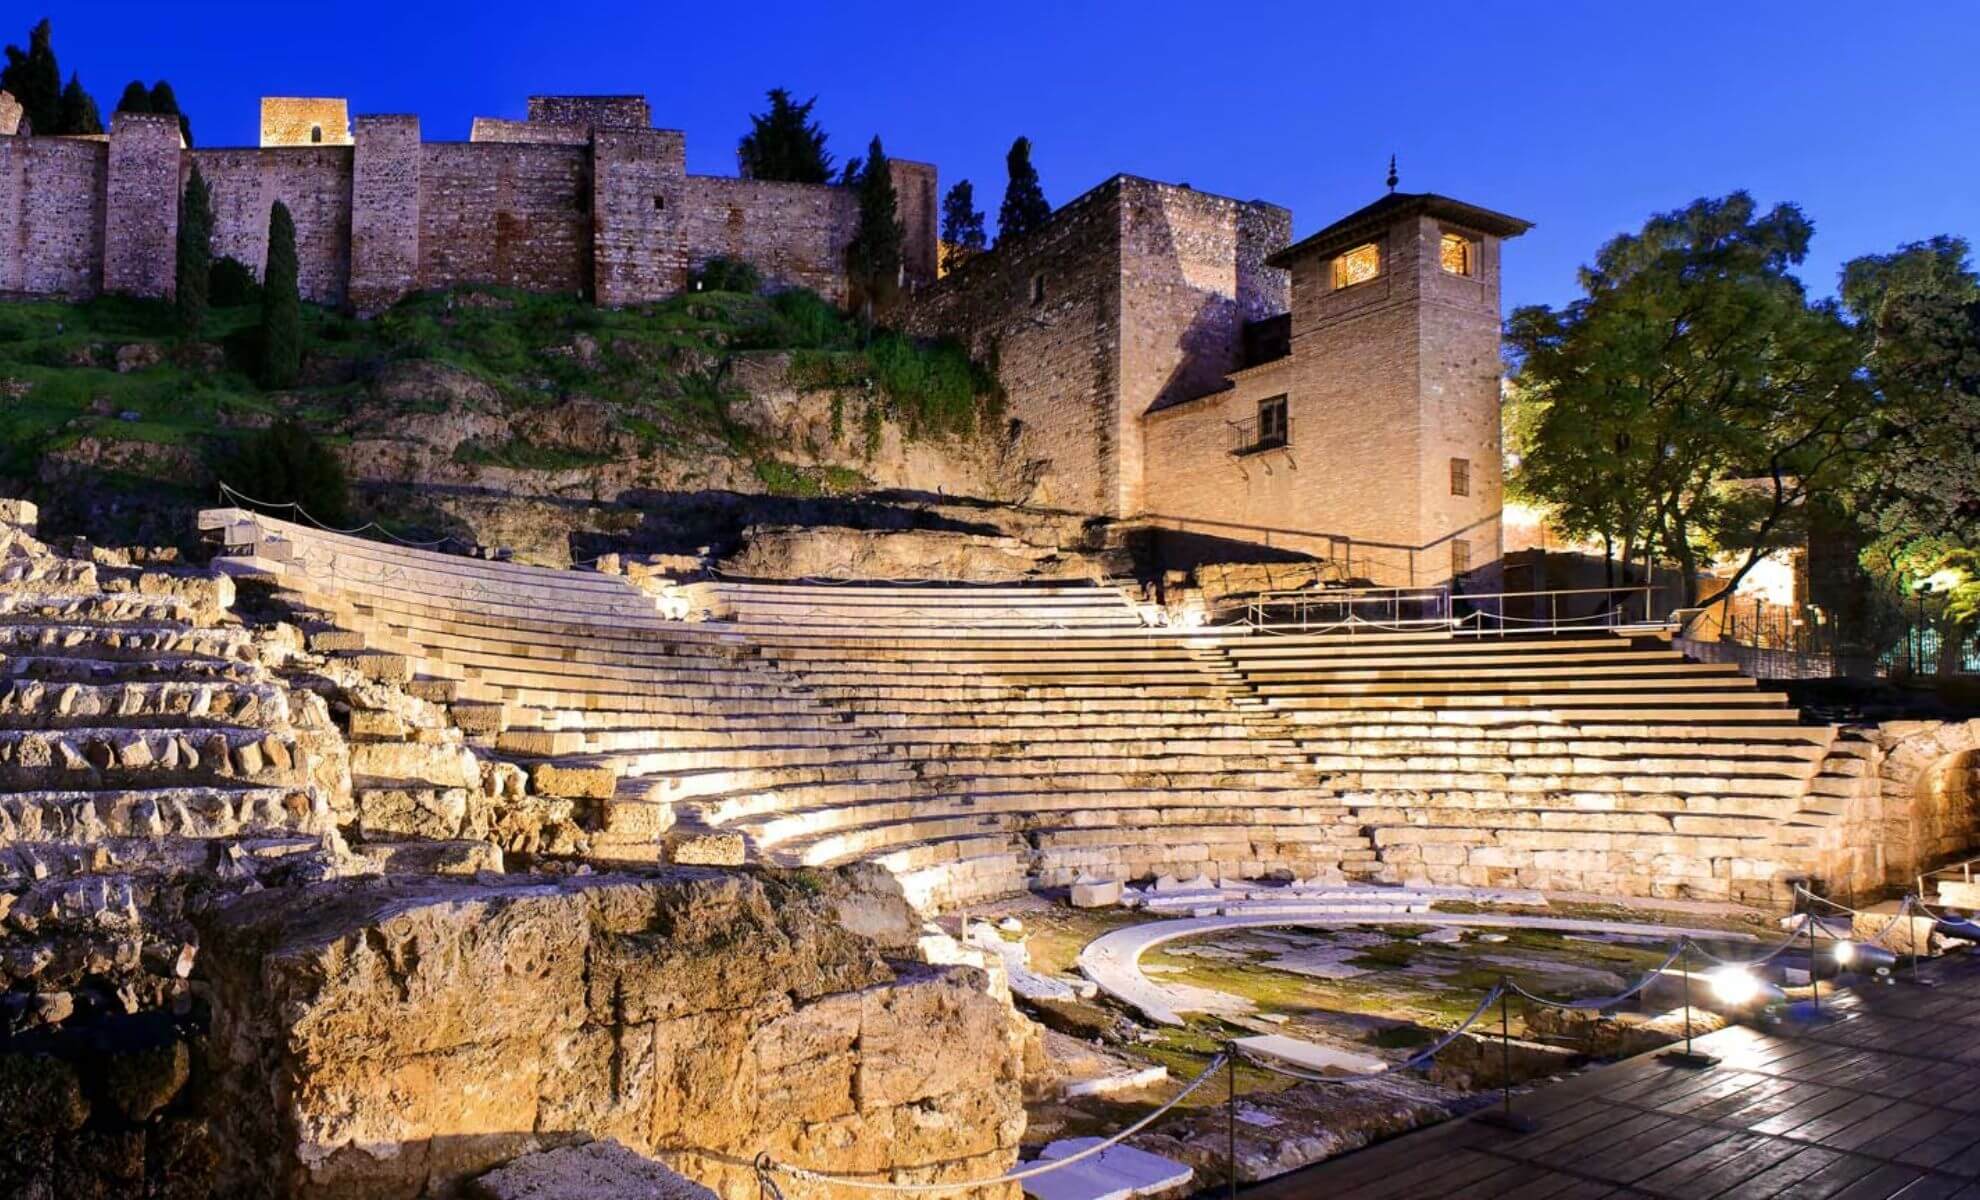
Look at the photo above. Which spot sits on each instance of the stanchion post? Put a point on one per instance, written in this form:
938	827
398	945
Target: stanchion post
1230	1116
1503	1116
1687	1057
1814	977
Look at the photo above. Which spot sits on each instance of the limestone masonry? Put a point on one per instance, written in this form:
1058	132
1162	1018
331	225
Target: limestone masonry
1171	356
585	196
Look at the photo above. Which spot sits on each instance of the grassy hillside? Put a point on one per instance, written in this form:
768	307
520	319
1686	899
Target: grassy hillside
102	397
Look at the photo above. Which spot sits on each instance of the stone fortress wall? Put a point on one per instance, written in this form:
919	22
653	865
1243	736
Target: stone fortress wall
585	196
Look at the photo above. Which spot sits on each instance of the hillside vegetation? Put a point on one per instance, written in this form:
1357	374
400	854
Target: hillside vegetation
103	408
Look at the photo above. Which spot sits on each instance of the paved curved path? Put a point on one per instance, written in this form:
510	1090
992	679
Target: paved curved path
1113	960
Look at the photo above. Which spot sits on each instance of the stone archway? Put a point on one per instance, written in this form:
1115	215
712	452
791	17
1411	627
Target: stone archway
1930	795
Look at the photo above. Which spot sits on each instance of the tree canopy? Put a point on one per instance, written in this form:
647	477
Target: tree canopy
1694	399
873	260
962	226
785	143
35	79
1024	208
192	286
158	98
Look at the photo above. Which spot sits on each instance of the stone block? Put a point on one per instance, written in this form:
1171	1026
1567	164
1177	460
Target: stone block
1096	893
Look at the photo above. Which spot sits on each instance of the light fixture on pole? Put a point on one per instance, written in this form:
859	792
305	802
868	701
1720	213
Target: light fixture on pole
1687	1057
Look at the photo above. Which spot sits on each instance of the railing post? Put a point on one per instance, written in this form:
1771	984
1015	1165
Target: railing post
1230	1117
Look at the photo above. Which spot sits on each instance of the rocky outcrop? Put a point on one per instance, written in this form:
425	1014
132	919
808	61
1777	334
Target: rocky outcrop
797	552
397	1037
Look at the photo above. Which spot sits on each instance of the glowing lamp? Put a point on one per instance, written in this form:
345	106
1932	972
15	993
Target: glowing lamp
1845	952
1737	987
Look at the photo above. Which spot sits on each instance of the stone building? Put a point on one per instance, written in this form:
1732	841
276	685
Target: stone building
585	197
1181	364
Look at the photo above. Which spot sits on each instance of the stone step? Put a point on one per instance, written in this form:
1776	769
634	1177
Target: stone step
1624	764
87	817
37	704
125	641
53	669
1014	810
100	756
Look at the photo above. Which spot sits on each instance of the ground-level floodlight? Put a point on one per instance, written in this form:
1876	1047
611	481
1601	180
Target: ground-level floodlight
1860	956
1738	987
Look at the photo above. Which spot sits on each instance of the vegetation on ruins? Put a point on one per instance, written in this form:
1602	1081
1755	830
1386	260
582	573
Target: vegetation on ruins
158	98
784	143
962	226
873	259
35	79
287	464
281	303
1694	401
193	286
1024	207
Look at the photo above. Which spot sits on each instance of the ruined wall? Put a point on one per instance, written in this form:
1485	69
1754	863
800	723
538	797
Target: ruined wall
794	233
495	129
315	183
386	169
1045	308
591	112
639	198
305	121
52	193
392	1039
141	212
513	215
916	202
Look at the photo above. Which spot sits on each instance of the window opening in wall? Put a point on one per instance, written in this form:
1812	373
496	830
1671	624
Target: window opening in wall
659	203
1458	254
1460	557
1358	265
1272	427
1038	289
316	133
1460	477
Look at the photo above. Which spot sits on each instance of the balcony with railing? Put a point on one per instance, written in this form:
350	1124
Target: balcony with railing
1255	437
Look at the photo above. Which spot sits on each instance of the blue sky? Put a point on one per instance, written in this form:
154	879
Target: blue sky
1581	117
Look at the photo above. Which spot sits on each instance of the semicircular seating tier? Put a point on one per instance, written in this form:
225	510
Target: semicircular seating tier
978	739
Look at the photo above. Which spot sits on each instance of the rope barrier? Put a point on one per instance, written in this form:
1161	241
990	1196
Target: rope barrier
766	1165
1409	1064
1600	1002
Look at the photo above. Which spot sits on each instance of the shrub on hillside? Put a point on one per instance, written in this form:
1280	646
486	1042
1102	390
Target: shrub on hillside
286	464
723	274
230	284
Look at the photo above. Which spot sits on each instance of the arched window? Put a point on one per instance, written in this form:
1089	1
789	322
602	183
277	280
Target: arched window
315	134
1458	254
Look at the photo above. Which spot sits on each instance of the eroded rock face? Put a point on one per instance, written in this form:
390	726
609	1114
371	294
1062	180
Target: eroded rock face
396	1037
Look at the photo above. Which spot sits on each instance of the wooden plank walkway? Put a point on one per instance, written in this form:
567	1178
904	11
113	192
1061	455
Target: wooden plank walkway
1882	1100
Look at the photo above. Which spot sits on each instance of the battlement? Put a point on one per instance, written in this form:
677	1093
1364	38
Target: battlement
585	196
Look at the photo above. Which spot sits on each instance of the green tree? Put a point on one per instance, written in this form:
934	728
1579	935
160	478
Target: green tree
286	464
873	260
164	101
281	303
79	113
35	80
962	226
195	254
1918	310
1693	401
784	143
1024	207
136	98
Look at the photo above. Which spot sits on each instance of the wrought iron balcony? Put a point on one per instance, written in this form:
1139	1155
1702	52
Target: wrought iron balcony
1249	437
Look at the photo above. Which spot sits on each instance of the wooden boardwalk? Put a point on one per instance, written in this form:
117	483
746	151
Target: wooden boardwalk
1882	1100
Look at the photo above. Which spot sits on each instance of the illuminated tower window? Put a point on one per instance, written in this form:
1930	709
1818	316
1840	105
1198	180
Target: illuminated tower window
1358	265
1458	254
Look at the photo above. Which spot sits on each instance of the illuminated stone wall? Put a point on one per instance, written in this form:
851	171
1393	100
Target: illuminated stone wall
51	216
305	121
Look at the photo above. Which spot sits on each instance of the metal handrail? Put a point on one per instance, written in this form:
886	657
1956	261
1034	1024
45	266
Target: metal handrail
1437	608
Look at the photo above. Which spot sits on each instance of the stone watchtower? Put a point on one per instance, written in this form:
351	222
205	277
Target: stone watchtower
1394	383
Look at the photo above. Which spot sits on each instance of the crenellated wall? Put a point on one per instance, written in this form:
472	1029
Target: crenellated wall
584	197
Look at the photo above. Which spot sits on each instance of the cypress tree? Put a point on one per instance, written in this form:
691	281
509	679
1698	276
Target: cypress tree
136	97
164	101
34	79
195	254
281	303
784	143
962	226
873	260
79	114
1024	201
